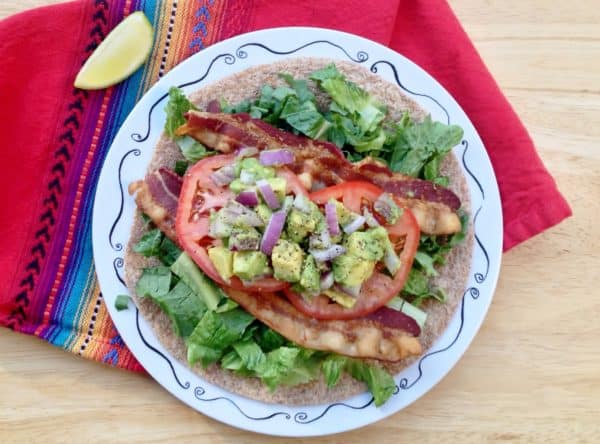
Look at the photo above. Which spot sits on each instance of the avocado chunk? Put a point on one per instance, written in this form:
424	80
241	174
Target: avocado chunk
264	212
351	270
251	170
244	239
310	278
300	224
287	259
279	185
248	265
387	207
253	167
345	300
219	226
237	186
222	259
344	215
369	245
185	268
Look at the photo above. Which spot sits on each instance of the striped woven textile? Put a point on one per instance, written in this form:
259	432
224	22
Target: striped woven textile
56	296
54	138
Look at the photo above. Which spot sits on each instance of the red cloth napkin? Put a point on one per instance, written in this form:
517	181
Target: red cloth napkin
54	137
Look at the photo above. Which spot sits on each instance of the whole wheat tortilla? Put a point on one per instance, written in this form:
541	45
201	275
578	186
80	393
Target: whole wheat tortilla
452	276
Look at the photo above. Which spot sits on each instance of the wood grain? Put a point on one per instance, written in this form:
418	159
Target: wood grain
531	374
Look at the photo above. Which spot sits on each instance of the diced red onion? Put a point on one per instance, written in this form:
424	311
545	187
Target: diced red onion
248	198
302	203
223	176
237	243
218	228
370	219
247	151
268	194
287	204
328	254
332	219
320	240
236	213
276	157
386	206
246	177
391	260
272	232
357	223
352	291
327	280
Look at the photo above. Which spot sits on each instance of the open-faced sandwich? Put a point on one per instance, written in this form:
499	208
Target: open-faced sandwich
302	231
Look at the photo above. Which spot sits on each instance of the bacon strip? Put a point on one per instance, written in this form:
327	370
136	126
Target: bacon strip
363	338
434	206
156	196
386	334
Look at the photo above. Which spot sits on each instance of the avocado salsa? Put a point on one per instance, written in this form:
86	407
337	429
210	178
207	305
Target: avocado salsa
305	254
265	231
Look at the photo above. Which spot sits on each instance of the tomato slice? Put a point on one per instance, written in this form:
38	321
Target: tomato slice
380	288
352	194
198	196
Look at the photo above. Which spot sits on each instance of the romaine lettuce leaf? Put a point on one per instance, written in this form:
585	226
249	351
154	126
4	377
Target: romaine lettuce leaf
419	143
300	86
268	339
367	112
380	382
122	302
192	150
183	307
154	282
176	107
149	243
154	244
289	365
215	333
305	118
418	288
168	252
333	367
251	356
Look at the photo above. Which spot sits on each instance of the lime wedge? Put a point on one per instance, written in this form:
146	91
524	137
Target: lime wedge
123	51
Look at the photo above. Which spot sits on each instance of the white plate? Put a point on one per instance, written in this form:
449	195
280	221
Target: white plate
127	161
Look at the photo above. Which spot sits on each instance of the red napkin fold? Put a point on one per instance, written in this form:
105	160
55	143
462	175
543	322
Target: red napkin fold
54	137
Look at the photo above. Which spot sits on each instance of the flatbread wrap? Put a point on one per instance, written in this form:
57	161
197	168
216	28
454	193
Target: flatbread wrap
339	336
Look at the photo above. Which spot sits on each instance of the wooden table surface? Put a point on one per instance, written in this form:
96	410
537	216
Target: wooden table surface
532	373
